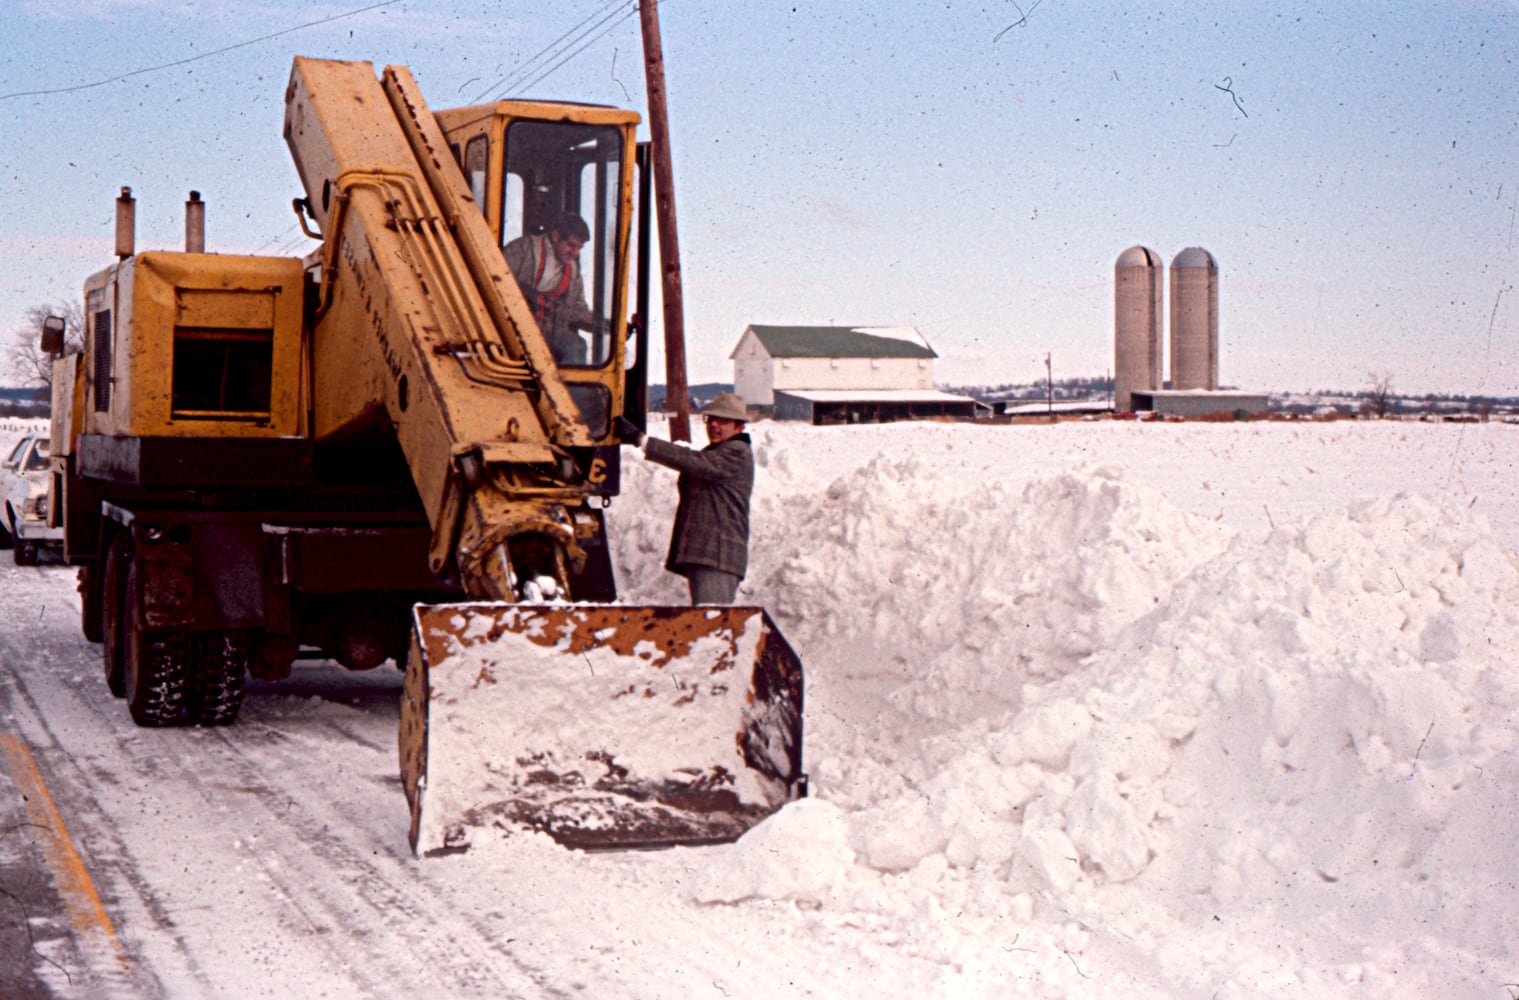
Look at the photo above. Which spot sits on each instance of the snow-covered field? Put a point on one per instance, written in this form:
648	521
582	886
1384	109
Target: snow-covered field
1094	709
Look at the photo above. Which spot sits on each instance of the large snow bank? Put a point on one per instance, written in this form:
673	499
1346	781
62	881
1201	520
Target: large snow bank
1065	697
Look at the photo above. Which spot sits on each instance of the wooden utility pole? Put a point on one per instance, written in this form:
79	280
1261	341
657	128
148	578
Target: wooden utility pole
677	393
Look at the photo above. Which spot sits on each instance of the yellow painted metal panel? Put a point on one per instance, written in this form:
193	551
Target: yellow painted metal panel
177	294
454	120
228	309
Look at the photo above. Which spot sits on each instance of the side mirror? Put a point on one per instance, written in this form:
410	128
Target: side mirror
52	336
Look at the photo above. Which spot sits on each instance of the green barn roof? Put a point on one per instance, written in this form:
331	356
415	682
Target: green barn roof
843	342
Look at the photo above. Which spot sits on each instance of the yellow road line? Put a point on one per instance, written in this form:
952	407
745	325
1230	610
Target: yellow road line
74	886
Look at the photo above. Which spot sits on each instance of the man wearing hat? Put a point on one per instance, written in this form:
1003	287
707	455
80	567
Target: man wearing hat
709	544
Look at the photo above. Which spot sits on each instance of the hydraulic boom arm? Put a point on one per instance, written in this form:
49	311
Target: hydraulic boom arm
420	324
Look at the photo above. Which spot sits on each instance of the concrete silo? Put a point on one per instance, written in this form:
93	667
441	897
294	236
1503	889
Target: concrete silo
1138	277
1194	320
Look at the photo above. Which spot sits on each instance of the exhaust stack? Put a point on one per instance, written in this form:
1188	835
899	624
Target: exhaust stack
126	223
195	224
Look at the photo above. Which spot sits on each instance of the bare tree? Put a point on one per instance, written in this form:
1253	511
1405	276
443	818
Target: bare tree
27	362
1377	400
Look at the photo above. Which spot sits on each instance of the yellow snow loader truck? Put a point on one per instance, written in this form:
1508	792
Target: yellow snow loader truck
379	452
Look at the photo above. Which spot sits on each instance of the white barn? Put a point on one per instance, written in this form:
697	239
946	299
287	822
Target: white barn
771	358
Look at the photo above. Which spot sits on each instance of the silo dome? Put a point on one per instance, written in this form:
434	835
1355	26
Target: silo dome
1138	277
1194	257
1194	320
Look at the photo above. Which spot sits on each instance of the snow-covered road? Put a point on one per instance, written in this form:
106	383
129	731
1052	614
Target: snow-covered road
229	857
271	856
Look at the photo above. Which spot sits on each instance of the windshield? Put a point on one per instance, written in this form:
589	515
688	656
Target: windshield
38	458
559	231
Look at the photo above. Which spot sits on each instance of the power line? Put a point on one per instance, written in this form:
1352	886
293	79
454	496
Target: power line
547	50
289	247
589	42
552	49
283	242
203	55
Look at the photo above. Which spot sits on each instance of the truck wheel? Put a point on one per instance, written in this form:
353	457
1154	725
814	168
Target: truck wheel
113	605
155	667
216	685
90	601
26	553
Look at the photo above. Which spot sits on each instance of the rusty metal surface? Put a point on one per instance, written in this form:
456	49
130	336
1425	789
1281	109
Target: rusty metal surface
603	726
412	741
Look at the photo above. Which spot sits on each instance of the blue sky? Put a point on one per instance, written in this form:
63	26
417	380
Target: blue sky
971	169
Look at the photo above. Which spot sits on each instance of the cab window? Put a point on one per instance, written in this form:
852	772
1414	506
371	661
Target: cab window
559	231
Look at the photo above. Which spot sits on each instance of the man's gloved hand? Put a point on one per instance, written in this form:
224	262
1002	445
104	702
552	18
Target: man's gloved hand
627	432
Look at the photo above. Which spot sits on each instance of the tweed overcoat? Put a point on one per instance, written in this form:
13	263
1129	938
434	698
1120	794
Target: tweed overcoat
712	518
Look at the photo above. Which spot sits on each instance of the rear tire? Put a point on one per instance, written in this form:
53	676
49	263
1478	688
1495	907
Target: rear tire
113	609
26	553
219	669
156	668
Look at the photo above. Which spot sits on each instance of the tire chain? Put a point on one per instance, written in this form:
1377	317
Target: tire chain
218	672
165	667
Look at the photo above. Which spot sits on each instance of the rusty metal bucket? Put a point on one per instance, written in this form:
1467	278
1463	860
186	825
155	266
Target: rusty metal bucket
603	726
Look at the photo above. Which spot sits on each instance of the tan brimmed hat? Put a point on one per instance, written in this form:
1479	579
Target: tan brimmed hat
728	406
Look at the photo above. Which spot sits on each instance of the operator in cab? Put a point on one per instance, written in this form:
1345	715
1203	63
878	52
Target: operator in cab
547	269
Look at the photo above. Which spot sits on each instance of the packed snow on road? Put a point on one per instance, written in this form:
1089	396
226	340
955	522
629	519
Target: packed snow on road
1096	709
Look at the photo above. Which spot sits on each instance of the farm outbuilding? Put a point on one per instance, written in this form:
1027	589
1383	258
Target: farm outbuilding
838	374
1200	402
768	358
867	406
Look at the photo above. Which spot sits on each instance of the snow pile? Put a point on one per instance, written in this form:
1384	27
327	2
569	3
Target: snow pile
977	585
800	854
1068	696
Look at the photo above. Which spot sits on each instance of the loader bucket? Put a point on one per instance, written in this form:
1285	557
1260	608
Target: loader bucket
603	726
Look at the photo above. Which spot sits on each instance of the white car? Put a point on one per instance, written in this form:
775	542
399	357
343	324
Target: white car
24	486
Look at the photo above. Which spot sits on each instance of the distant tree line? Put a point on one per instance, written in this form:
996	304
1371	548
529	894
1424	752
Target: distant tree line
700	394
1377	398
1078	387
31	402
